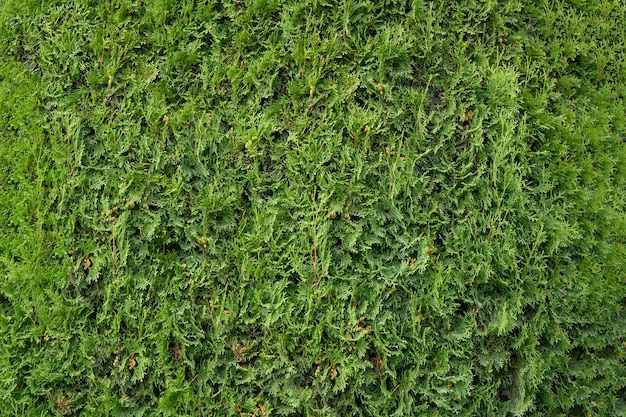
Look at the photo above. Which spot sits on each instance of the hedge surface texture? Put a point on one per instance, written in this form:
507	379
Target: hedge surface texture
312	208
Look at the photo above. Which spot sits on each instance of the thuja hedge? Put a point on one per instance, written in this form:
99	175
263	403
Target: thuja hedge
313	208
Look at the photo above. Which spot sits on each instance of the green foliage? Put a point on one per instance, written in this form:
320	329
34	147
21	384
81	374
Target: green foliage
312	208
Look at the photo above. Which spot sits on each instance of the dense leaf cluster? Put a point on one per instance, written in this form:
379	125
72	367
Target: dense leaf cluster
312	208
